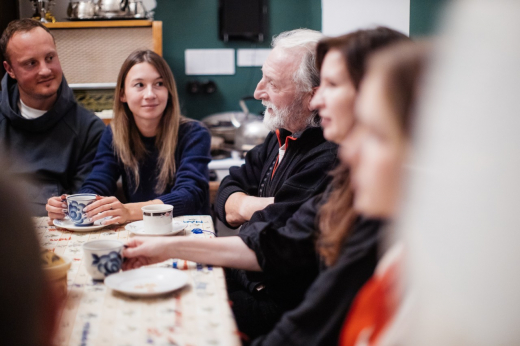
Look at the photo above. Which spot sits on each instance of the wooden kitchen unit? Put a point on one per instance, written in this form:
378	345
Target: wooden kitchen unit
92	52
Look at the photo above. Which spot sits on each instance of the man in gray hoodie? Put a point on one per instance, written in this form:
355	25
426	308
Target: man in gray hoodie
49	138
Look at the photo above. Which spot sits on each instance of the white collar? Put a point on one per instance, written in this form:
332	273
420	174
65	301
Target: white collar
28	112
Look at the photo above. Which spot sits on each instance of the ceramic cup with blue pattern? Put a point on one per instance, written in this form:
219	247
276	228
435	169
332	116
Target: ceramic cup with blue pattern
75	204
102	257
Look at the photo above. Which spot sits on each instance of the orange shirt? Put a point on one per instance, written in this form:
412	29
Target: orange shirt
374	306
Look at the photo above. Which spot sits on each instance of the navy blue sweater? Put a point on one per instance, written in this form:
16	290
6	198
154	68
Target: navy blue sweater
189	190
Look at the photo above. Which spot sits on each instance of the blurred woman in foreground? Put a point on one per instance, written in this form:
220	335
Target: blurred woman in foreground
376	152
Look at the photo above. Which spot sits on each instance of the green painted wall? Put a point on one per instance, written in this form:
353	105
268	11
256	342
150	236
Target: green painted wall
424	16
193	24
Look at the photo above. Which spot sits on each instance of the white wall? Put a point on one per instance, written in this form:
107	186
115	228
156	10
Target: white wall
342	16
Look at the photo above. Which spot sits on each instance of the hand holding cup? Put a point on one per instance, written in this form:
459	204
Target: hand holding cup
141	251
56	208
102	257
72	206
108	206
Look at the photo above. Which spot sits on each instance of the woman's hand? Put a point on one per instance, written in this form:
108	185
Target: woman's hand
56	207
144	251
108	206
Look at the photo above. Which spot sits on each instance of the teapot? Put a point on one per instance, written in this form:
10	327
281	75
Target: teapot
251	130
137	9
112	8
81	9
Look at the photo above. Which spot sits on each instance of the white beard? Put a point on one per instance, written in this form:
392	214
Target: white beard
274	117
282	118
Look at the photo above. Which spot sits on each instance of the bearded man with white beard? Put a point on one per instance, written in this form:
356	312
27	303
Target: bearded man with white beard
291	165
278	176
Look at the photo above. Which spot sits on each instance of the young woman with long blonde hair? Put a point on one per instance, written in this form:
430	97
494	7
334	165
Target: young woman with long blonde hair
161	156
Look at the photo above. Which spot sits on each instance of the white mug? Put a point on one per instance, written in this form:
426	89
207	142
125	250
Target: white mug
157	218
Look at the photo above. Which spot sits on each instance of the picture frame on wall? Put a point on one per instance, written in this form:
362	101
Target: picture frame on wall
243	20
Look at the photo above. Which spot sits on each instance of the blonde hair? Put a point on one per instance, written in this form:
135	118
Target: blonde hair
128	145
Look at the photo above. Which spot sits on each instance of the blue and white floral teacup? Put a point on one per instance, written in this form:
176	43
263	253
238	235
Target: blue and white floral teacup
76	203
102	257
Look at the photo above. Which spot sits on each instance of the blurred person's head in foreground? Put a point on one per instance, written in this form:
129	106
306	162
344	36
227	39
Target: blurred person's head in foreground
376	152
29	305
378	147
342	63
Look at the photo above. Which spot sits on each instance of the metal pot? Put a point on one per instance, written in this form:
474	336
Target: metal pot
246	130
251	132
81	9
224	124
136	9
112	8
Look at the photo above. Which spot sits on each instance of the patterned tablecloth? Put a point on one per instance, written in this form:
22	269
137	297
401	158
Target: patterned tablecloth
198	314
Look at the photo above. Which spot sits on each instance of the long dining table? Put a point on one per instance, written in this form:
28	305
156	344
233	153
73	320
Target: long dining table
93	314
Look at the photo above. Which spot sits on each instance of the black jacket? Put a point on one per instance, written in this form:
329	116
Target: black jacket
53	154
318	319
287	255
302	174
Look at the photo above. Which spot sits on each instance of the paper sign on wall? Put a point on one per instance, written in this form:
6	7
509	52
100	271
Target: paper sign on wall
252	57
342	16
209	61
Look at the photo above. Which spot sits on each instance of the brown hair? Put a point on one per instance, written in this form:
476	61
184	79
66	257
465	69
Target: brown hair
336	216
356	46
401	69
19	25
127	140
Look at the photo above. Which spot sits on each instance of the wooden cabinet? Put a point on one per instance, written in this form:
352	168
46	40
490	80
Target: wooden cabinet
92	52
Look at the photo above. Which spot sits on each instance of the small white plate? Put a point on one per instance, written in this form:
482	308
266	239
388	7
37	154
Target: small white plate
137	228
146	282
68	224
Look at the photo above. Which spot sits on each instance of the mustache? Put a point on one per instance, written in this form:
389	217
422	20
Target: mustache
268	104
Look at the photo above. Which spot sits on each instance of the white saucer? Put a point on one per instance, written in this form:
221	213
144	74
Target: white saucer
146	282
137	228
68	224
